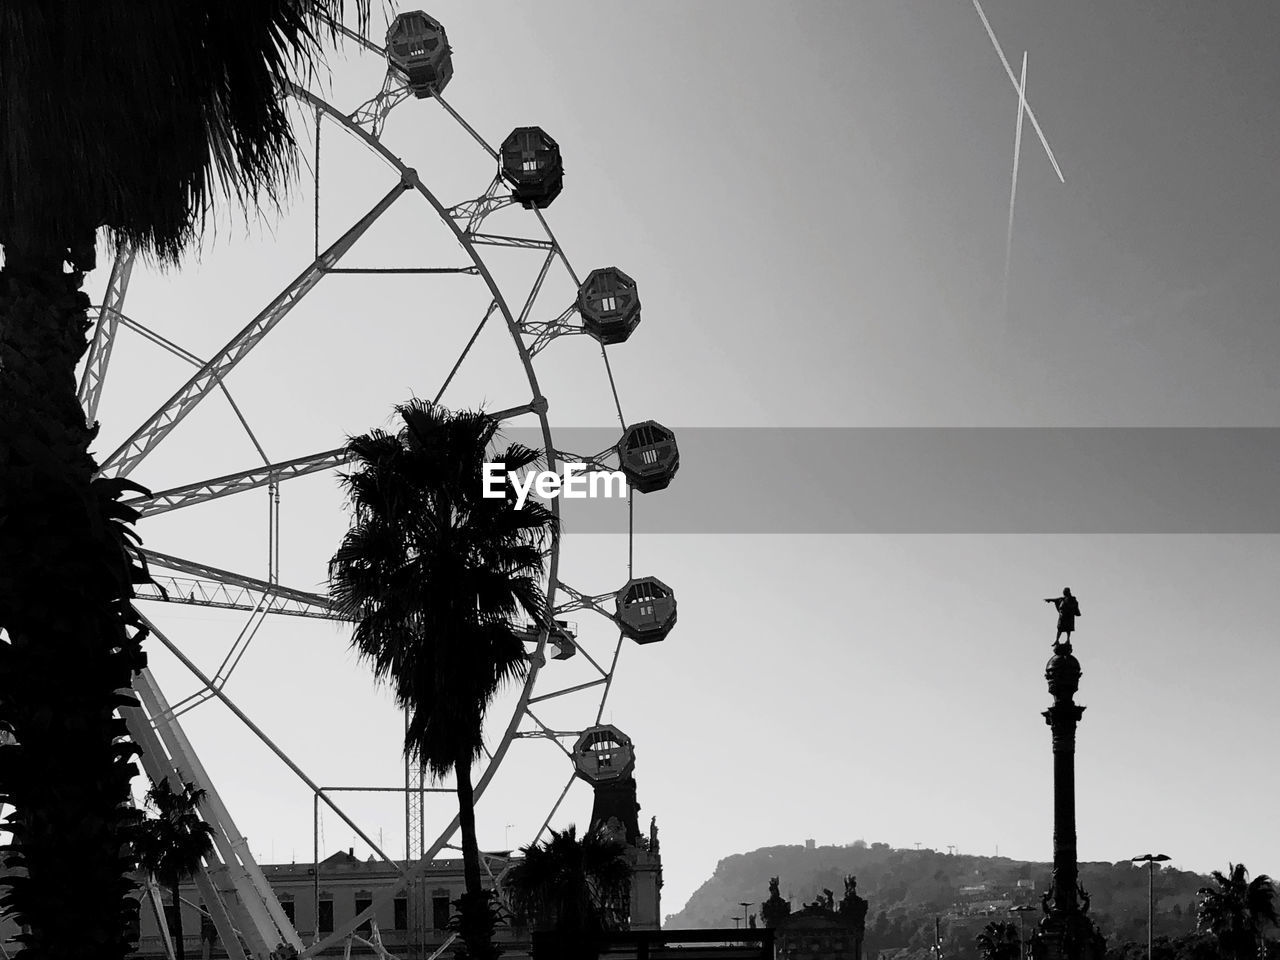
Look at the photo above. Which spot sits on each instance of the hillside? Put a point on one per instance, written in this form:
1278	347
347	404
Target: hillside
908	889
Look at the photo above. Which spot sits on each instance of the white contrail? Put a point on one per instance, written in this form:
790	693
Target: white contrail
1014	80
1013	187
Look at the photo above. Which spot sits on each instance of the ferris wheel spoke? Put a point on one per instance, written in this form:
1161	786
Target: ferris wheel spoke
203	585
158	426
576	688
357	37
466	126
555	808
524	243
536	289
608	684
493	306
192	493
104	334
560	250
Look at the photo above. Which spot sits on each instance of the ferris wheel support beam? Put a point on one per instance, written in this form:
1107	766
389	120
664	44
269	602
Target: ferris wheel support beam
193	493
270	744
144	439
104	334
195	592
256	477
287	599
245	895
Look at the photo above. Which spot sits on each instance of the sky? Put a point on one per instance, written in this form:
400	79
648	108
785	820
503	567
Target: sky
813	199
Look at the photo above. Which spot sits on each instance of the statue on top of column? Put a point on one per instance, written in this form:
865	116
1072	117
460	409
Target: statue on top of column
1068	608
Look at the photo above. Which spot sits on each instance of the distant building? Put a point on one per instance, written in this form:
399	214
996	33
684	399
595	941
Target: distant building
821	930
317	905
816	933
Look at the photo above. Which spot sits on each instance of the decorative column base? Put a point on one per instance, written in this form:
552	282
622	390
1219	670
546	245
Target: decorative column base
1067	935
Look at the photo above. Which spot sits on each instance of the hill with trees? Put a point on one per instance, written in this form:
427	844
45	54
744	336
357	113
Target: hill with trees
910	890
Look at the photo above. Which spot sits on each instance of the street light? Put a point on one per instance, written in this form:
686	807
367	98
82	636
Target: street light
744	904
1150	860
1022	940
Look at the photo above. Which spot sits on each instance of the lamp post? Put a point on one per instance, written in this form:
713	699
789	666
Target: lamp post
744	904
1150	860
1022	940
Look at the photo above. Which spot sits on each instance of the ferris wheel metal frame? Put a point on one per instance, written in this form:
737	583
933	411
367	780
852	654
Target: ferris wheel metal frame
241	904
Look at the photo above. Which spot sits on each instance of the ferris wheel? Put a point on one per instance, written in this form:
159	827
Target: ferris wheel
501	261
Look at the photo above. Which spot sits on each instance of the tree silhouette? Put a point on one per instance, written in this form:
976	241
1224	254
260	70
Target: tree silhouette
1237	910
130	117
999	941
578	887
172	845
435	577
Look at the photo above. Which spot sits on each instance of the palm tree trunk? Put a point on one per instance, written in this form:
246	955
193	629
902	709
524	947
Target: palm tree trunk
179	945
473	928
69	649
467	824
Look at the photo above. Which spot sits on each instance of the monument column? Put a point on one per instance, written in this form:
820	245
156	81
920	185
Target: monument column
1065	932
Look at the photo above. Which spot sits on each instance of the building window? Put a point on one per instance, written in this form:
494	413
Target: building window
440	912
402	914
286	904
363	902
325	920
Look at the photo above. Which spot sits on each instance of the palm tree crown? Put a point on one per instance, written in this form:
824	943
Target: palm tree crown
578	887
1237	910
133	117
172	845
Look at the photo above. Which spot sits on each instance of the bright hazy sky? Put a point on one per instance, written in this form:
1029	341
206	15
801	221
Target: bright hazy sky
813	199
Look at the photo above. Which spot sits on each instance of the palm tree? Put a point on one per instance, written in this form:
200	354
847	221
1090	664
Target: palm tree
576	887
172	846
1237	910
129	117
999	941
435	577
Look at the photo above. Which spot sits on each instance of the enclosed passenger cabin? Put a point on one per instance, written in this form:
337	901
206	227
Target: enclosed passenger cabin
561	638
609	304
648	456
646	609
603	753
531	164
418	49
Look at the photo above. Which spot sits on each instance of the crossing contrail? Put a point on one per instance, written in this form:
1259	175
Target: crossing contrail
1013	187
1014	80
